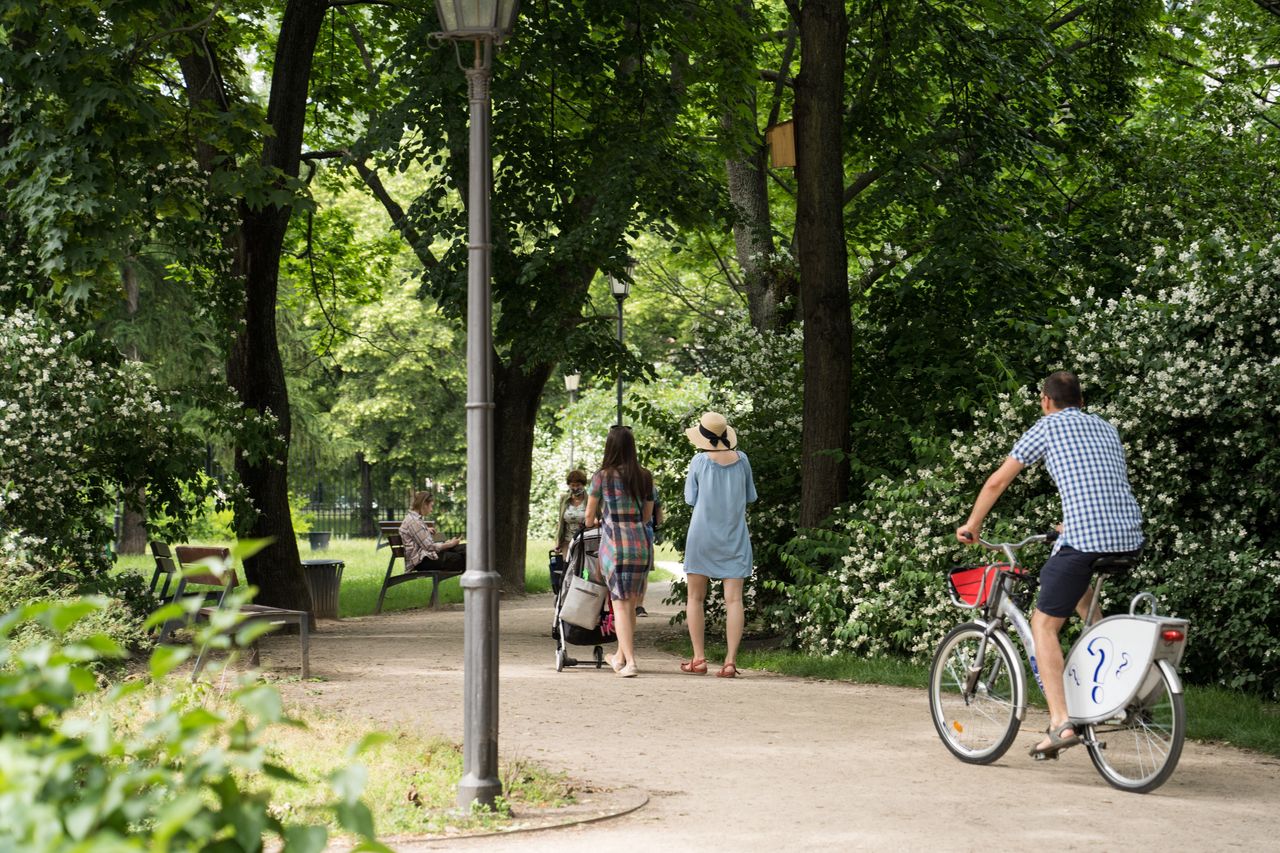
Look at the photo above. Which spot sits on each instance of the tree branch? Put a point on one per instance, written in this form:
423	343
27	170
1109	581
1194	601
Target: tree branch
723	264
772	76
399	219
861	182
1067	18
783	67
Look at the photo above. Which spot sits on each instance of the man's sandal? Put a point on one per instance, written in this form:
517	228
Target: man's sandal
727	671
697	666
1057	742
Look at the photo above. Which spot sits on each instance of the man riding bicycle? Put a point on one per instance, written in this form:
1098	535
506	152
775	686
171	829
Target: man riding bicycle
1100	517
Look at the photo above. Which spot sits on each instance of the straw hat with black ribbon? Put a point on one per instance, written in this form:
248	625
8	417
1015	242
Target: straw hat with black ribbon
712	432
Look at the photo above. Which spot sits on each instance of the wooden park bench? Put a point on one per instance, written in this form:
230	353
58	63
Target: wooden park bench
397	553
217	589
166	569
385	527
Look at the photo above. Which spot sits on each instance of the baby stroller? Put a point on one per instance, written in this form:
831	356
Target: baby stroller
582	562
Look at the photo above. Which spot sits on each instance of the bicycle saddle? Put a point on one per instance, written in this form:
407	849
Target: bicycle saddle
1116	563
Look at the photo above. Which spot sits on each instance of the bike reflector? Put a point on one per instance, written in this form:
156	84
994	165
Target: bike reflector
971	586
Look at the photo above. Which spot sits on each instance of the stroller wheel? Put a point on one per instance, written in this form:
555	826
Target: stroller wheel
599	657
559	660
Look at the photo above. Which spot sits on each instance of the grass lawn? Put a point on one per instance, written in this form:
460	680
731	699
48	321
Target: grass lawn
413	780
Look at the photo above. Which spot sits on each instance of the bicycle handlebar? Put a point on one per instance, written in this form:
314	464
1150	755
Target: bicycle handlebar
1037	537
1010	548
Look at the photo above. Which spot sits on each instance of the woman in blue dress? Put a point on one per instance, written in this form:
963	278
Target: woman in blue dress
719	487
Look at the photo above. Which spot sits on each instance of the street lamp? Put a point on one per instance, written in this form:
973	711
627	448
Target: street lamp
484	23
621	288
571	381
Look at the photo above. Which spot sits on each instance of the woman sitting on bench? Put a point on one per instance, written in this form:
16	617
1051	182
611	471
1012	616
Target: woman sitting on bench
421	550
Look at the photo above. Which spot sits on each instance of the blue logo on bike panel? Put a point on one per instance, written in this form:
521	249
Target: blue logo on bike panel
1102	648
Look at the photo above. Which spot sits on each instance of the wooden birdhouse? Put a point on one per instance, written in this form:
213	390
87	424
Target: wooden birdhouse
782	143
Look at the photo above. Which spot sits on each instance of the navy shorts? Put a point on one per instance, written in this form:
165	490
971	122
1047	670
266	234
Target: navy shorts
1064	579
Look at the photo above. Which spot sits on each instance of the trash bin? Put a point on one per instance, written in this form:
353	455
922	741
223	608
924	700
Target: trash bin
319	539
324	577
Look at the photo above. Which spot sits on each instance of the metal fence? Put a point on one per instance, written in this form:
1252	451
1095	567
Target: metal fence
333	505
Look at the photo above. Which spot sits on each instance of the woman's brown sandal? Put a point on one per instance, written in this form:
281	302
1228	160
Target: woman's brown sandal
697	666
727	671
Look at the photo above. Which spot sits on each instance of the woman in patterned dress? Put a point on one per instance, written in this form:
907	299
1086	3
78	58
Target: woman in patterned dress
622	493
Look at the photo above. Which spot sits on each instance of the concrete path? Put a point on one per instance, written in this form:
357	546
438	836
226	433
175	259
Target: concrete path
766	762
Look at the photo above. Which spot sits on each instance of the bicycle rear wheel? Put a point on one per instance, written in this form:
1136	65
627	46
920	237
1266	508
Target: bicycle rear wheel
977	723
1139	748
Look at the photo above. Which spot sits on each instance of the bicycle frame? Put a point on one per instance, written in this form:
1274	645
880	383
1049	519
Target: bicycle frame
1141	645
1000	610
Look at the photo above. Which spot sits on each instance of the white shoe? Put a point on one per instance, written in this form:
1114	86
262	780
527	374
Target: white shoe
613	661
629	671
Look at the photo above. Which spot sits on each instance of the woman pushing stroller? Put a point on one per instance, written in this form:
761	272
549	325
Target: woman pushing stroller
621	497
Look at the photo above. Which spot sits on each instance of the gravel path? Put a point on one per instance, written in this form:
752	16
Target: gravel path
764	762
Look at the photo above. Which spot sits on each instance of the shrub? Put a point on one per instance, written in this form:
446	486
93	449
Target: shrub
80	770
78	428
1187	366
21	583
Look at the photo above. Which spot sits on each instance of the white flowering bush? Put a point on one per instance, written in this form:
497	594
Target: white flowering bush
76	428
1186	364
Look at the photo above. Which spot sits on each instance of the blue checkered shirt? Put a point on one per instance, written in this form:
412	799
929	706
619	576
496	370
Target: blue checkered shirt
1083	456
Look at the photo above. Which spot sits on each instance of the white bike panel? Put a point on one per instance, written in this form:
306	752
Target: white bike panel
1107	664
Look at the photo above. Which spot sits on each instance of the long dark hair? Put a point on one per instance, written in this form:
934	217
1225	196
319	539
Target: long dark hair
620	457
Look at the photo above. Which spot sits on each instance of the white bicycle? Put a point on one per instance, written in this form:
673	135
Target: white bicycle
1121	675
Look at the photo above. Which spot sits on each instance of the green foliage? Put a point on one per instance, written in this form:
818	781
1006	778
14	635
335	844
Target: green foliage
1184	366
596	136
79	428
81	768
23	584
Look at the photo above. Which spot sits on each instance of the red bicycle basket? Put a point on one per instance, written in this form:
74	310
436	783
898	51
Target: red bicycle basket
973	584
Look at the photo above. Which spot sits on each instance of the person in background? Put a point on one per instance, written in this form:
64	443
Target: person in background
572	514
719	487
421	550
653	526
621	495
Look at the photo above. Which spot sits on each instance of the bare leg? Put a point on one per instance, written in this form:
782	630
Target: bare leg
734	617
1045	630
693	614
1082	608
624	621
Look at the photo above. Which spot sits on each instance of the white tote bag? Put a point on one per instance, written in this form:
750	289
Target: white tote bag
583	602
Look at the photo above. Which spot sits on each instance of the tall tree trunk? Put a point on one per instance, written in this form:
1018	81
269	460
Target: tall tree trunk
517	395
254	367
823	259
767	285
368	525
133	524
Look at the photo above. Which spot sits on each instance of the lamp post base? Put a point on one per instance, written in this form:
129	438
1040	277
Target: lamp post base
473	790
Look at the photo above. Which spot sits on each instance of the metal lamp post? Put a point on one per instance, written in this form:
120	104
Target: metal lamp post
621	288
571	381
485	23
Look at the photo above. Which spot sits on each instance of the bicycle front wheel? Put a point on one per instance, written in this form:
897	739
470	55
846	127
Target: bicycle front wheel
1138	749
974	702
